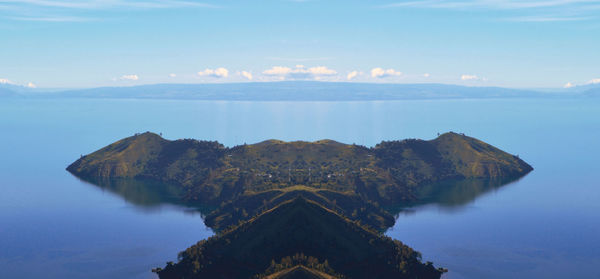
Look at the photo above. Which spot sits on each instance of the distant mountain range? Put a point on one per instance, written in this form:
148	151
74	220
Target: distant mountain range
591	90
300	91
12	90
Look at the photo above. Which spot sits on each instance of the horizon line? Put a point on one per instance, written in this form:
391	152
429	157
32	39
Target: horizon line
285	81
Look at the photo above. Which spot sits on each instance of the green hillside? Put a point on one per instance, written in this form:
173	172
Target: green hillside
299	226
273	199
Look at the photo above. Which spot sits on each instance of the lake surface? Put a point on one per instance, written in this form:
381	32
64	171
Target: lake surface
545	225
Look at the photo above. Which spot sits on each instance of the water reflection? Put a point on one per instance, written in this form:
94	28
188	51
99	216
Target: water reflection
452	195
449	195
147	195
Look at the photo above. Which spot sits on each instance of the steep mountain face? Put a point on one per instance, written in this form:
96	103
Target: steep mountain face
299	226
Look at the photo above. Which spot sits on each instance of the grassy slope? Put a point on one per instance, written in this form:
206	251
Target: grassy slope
125	158
187	163
471	157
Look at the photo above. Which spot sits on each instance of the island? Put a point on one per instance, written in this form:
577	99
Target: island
299	209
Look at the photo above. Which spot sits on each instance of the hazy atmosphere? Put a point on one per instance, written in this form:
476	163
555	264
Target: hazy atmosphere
299	139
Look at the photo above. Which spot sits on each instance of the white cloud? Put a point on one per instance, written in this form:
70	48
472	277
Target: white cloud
426	75
216	73
129	77
277	71
382	73
247	75
5	81
590	82
469	77
172	75
352	75
300	72
594	81
322	71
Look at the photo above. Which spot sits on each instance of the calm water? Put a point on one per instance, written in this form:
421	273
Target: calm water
546	225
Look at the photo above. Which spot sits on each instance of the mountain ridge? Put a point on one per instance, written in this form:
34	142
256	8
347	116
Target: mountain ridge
296	91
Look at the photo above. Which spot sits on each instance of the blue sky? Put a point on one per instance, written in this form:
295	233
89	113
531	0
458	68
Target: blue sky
91	43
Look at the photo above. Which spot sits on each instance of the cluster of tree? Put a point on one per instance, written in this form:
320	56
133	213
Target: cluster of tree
348	204
296	226
299	259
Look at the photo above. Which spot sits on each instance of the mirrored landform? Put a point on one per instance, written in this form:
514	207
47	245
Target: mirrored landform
299	209
147	194
452	194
